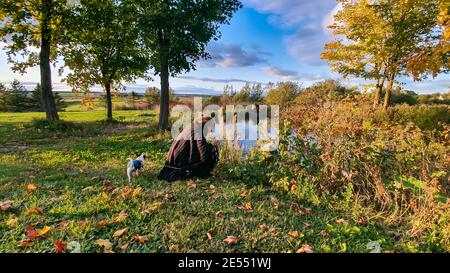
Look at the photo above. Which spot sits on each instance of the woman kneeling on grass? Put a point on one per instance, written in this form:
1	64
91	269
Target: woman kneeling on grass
190	154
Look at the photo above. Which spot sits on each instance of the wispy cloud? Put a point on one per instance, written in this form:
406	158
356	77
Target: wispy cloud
288	13
205	79
232	55
310	20
291	75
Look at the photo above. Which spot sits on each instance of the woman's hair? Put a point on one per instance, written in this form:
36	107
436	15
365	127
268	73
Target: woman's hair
205	119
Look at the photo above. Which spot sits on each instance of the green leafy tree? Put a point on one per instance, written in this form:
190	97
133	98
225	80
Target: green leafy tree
152	95
177	31
375	39
103	46
28	24
283	94
36	97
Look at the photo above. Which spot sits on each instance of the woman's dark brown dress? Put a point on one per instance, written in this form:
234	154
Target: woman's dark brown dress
189	157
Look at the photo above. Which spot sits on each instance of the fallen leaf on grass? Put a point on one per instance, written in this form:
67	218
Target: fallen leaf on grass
60	246
293	233
34	234
136	192
62	224
4	205
13	222
191	184
169	197
120	232
152	208
303	212
294	186
122	216
263	226
25	243
323	234
244	194
31	187
32	211
341	221
231	240
42	232
106	244
218	214
140	239
124	246
305	249
307	225
362	221
247	207
209	234
102	224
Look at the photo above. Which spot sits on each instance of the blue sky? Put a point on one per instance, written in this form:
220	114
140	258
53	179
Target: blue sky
267	40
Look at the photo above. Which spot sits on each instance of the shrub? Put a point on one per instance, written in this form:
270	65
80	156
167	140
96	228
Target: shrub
424	117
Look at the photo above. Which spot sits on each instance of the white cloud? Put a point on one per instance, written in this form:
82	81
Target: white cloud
232	55
309	39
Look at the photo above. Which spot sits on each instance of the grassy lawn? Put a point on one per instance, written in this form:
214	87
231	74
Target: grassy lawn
70	185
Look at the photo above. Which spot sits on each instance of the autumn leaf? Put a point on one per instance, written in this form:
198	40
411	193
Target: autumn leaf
25	242
191	184
4	205
106	244
122	216
341	221
209	234
31	187
34	234
33	210
231	240
293	233
124	246
323	234
136	192
308	211
305	249
307	225
294	186
102	224
13	222
247	207
152	208
60	246
362	221
218	214
44	231
244	194
263	226
140	239
120	232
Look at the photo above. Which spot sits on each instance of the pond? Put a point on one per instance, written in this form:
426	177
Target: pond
249	135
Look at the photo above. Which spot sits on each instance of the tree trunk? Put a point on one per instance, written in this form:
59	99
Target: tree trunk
387	96
378	91
47	98
109	116
164	75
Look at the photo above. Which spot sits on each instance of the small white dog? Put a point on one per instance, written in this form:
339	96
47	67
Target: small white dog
135	165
